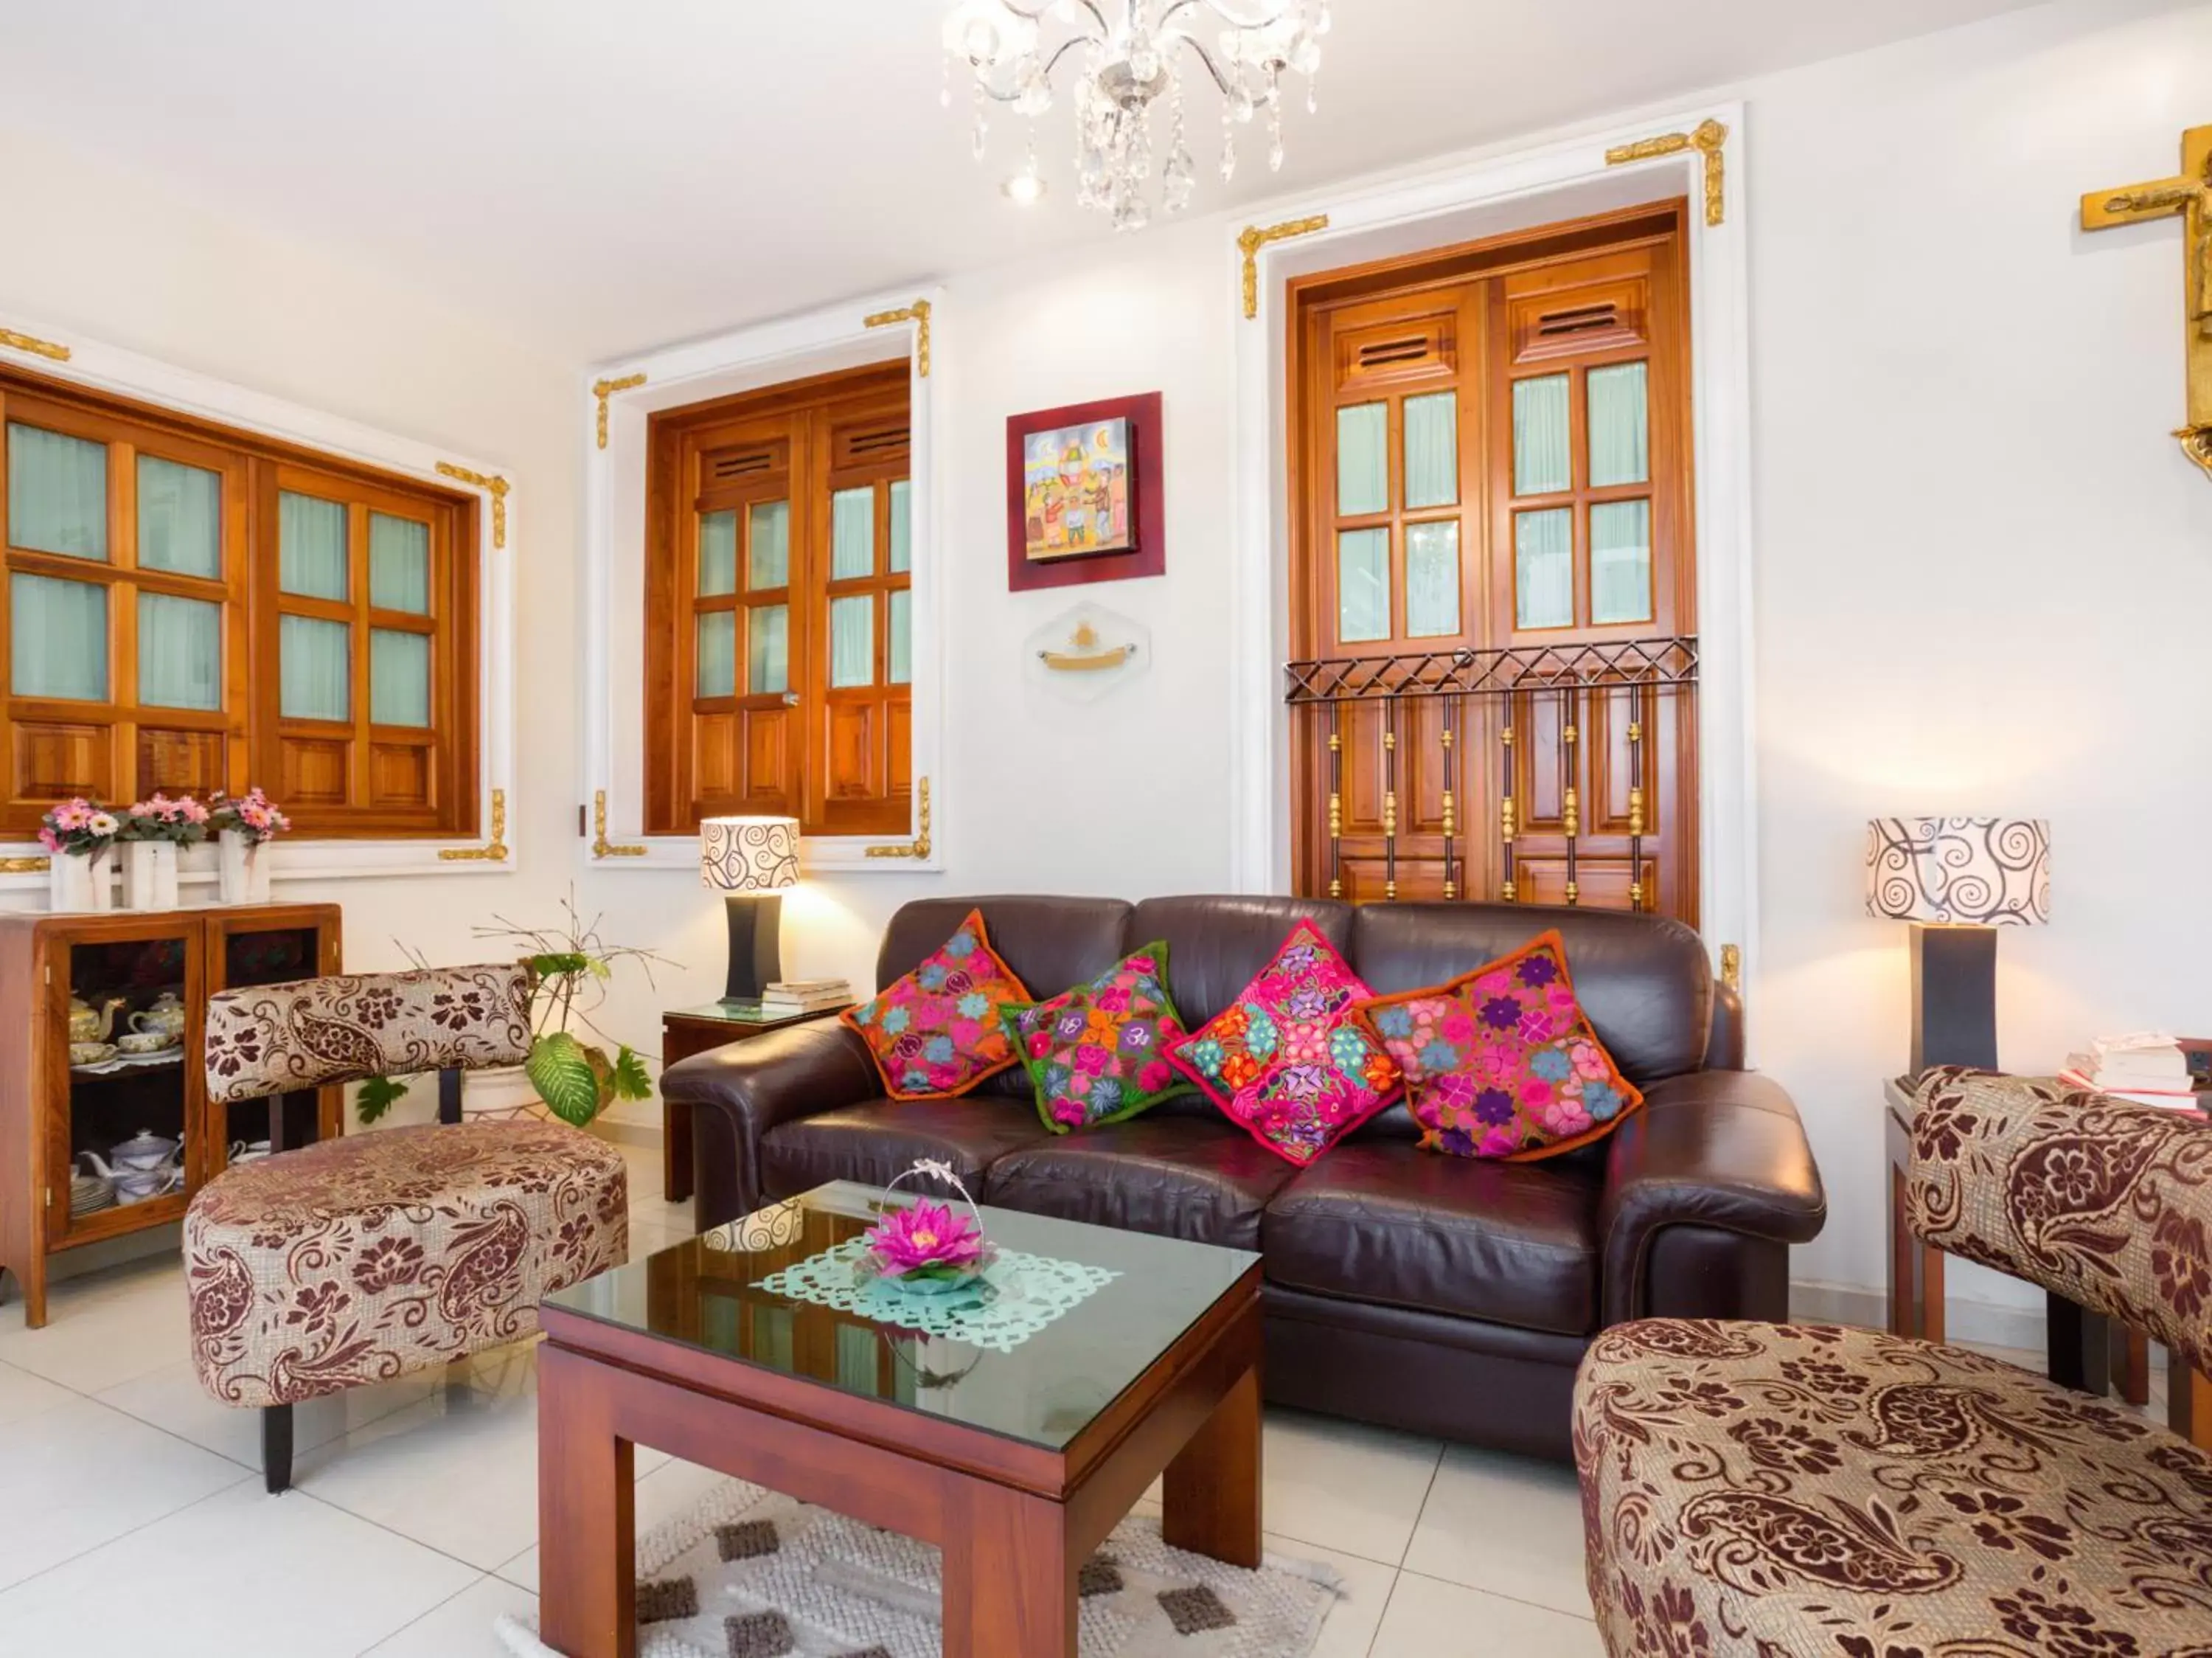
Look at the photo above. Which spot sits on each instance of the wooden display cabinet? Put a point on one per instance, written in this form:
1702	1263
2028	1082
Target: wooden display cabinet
51	1113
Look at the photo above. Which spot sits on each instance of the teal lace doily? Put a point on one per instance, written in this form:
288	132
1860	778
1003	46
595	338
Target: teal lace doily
1018	1295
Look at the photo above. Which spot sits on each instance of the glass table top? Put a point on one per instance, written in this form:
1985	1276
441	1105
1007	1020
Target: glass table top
728	1012
706	1293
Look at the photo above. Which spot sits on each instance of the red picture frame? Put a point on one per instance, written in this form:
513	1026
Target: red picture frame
1137	421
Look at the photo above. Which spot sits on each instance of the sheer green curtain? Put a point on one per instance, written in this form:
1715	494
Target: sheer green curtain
1544	568
768	551
1619	426
901	646
767	649
179	652
1432	450
1543	460
57	638
57	493
398	677
1362	460
399	563
311	547
853	534
901	527
718	553
718	653
315	662
853	640
1363	585
1620	561
1431	579
179	518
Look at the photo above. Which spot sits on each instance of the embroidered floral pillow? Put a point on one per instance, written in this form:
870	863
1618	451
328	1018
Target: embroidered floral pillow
936	1032
1098	1053
1502	1062
1285	1061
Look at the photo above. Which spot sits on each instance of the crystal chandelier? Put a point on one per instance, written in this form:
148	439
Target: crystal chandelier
1125	57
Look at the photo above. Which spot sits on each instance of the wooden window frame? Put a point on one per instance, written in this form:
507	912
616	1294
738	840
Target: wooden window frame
248	728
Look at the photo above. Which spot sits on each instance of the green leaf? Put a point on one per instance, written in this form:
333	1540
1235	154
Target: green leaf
601	968
378	1095
555	964
560	1068
632	1079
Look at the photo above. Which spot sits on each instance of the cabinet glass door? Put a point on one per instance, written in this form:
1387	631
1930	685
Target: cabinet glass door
271	946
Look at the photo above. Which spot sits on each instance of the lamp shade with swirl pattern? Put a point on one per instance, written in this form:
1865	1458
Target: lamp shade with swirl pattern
1957	880
750	860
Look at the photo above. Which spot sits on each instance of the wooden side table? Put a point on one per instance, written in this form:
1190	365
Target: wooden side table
687	1031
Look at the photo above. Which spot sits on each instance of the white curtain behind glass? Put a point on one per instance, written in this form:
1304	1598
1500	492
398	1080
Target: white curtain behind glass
1620	561
179	652
316	660
1543	449
853	641
57	638
1362	460
398	565
57	493
767	649
901	527
1544	568
1619	427
311	547
1432	450
902	648
853	534
718	653
179	518
398	677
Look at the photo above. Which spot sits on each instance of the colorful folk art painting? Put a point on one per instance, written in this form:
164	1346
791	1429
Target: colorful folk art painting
936	1032
1077	485
1099	1052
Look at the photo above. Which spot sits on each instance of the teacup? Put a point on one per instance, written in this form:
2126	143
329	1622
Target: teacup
242	1151
145	1041
91	1053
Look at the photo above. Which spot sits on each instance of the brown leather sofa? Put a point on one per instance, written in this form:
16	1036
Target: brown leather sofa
1407	1287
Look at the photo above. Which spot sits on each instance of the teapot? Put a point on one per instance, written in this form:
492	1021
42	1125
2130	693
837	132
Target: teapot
90	1024
142	1153
166	1015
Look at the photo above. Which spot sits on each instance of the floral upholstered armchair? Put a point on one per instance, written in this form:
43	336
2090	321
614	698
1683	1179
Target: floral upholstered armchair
1771	1489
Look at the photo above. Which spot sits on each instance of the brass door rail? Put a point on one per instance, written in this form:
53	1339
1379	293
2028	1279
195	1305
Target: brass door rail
1668	661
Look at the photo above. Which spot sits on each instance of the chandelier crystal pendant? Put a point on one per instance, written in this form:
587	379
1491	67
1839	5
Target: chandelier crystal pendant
1125	58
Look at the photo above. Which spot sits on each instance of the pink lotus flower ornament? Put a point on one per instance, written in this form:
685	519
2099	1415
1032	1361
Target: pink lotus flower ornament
930	1240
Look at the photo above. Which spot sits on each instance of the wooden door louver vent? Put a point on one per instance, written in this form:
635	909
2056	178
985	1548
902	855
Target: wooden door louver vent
861	446
735	466
1579	320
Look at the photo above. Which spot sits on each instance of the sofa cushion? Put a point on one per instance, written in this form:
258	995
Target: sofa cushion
873	1142
935	1032
1098	1053
1384	1220
1195	1178
1217	946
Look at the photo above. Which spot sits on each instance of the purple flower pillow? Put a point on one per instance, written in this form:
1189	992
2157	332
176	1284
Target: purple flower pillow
1502	1061
1098	1053
1285	1061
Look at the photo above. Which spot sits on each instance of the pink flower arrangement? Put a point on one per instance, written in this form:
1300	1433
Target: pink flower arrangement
252	815
79	827
929	1240
181	821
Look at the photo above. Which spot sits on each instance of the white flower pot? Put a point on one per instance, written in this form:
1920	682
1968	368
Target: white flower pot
103	878
149	875
68	881
241	868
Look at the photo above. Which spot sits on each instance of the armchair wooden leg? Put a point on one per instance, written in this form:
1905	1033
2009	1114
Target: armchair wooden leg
277	1448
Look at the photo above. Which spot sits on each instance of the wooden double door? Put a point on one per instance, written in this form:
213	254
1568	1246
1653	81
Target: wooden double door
1492	488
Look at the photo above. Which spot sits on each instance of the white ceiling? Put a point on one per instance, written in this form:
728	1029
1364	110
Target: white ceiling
603	175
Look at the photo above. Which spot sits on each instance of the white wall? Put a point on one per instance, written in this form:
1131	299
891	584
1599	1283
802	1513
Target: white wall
1982	577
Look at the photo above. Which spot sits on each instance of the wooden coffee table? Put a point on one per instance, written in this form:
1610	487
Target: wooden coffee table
1017	1464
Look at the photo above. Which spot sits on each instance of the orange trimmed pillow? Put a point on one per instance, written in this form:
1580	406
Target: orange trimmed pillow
936	1032
1502	1061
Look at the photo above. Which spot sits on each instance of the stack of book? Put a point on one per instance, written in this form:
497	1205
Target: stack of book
792	998
2150	1068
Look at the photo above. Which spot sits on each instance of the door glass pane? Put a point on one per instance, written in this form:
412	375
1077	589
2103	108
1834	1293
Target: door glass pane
767	546
180	517
1620	561
57	638
767	649
57	493
1619	426
853	640
311	547
1432	450
853	534
398	677
718	654
1544	568
902	645
179	652
1541	463
718	552
1431	580
317	663
1363	459
399	563
1363	585
902	527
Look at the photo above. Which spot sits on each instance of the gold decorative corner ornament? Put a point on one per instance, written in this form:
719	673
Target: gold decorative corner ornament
493	851
1255	237
601	846
497	485
2188	197
37	347
1732	967
604	389
918	314
919	846
1709	140
29	866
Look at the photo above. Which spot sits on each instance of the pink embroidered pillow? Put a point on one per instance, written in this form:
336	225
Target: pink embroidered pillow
936	1032
1502	1062
1285	1061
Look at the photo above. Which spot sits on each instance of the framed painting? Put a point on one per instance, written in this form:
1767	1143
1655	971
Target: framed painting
1082	494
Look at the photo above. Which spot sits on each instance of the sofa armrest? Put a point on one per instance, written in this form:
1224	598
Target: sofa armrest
740	1091
1719	1150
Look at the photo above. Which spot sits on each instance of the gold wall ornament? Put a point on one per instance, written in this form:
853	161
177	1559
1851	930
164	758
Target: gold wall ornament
601	846
498	487
1709	140
604	389
918	314
1255	237
1086	656
919	846
34	346
2188	197
30	866
493	851
1732	967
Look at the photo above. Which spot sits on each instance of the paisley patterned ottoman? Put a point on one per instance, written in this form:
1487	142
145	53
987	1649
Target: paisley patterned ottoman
357	1260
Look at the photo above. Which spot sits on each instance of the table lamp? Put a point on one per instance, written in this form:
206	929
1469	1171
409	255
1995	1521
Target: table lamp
750	860
1957	881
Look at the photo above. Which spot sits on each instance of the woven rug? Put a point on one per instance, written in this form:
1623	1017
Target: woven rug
748	1574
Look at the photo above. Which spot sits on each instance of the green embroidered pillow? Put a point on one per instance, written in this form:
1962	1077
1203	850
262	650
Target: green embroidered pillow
1099	1052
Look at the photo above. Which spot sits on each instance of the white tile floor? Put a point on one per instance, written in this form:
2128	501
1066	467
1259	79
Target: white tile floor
132	1519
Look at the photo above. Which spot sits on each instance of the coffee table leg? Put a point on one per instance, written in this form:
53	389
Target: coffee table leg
1009	1577
1212	1504
586	1514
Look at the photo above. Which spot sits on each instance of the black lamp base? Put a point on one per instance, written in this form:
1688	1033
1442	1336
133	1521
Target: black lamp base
756	944
1954	997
